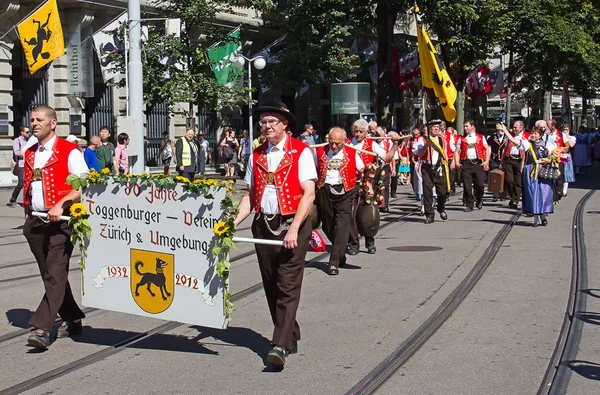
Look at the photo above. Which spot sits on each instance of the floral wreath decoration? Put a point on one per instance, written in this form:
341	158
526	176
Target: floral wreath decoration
373	176
224	230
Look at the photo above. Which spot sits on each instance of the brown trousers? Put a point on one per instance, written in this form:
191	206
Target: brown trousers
51	245
336	213
282	271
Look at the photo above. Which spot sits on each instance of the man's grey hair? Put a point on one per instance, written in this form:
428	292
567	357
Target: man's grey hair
517	123
338	128
373	123
360	124
538	123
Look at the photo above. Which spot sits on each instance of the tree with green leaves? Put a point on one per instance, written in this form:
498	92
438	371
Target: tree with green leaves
177	69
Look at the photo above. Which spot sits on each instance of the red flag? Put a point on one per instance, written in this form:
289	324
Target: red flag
478	81
316	242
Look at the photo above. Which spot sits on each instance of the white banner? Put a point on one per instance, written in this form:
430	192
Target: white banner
107	41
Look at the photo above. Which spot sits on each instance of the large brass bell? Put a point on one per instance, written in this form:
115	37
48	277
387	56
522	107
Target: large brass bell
367	220
315	218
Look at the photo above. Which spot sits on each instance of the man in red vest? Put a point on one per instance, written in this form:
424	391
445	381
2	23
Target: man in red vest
281	179
47	166
337	166
432	154
472	156
359	141
512	161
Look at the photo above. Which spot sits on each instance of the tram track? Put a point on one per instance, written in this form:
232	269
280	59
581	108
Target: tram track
558	373
158	330
370	383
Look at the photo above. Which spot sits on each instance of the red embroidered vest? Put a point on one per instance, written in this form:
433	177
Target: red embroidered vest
285	177
464	146
366	158
509	145
54	173
427	156
347	167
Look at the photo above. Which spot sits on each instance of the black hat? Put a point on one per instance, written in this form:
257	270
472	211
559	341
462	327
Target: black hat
434	122
273	105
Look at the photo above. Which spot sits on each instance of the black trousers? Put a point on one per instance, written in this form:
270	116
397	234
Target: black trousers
453	176
353	240
557	185
336	213
473	180
282	271
51	245
189	175
513	179
20	182
433	179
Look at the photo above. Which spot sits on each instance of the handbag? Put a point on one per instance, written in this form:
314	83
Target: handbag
14	166
549	172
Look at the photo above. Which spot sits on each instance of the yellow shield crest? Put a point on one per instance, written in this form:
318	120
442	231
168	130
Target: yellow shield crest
152	280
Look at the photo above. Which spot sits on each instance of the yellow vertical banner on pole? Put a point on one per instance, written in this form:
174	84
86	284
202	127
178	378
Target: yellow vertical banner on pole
41	36
433	72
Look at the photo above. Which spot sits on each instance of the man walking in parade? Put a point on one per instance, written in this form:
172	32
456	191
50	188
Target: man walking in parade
281	179
359	141
512	163
434	170
47	166
18	146
472	157
337	166
496	142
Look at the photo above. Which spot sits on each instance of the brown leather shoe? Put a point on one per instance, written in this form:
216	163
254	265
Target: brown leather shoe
276	356
39	338
69	328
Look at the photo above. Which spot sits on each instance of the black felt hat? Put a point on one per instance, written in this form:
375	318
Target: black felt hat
434	122
275	106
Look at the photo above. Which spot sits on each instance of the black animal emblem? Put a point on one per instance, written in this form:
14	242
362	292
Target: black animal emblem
158	279
43	34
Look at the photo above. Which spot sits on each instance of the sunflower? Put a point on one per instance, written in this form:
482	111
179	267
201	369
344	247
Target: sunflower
220	228
77	210
105	170
93	176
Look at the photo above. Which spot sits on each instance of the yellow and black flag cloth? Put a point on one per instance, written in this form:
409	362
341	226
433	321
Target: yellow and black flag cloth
41	36
433	72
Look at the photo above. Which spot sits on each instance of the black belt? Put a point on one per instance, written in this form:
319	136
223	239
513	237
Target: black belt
472	161
518	157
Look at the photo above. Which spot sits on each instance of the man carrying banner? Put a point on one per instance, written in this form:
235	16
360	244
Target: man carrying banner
337	166
281	179
512	162
47	166
473	158
434	170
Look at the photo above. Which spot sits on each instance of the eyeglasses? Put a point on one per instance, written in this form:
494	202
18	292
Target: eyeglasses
270	122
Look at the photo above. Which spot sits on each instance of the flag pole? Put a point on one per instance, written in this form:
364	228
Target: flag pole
34	11
423	90
10	30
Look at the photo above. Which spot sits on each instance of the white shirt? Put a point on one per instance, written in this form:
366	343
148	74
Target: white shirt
246	146
550	139
30	143
418	142
514	150
203	144
435	156
471	152
306	171
333	177
76	165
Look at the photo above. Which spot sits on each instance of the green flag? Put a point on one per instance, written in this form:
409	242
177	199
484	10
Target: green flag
223	54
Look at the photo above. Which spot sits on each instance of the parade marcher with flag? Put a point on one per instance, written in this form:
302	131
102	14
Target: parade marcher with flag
434	169
337	167
281	177
496	143
360	142
512	163
472	156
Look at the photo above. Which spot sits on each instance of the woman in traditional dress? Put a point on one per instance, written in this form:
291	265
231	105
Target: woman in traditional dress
537	192
570	144
582	154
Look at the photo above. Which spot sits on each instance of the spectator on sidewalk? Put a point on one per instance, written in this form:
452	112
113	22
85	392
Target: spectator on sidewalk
204	156
186	154
19	145
106	153
121	155
90	153
165	155
229	145
244	150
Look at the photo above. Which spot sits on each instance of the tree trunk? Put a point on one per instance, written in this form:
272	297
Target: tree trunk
508	90
547	104
386	91
460	110
584	110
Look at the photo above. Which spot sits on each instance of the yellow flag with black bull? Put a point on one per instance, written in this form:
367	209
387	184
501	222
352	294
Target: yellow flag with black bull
434	74
41	36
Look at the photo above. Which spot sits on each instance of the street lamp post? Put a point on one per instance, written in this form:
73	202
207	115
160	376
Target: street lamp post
259	63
